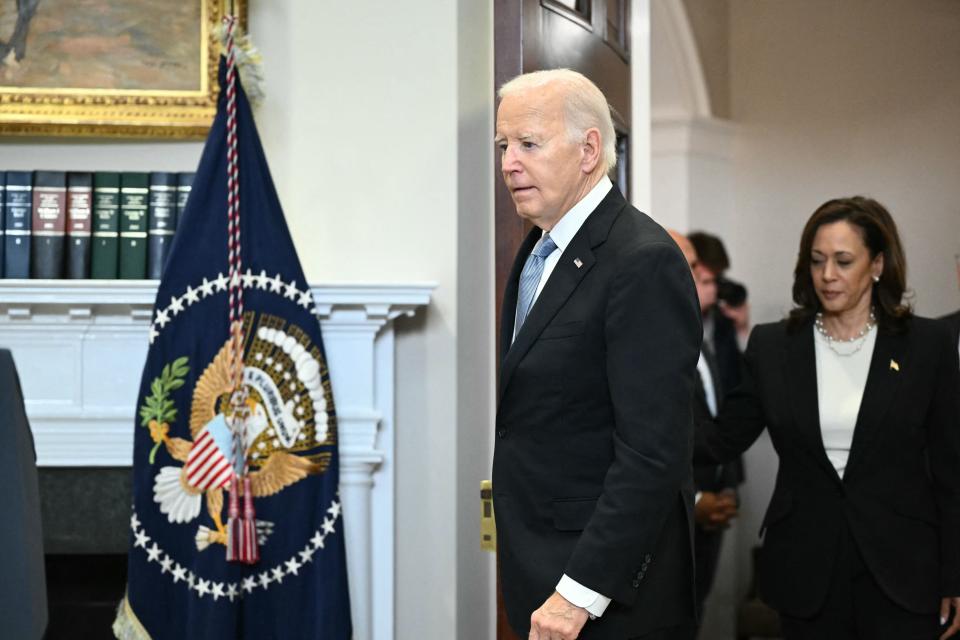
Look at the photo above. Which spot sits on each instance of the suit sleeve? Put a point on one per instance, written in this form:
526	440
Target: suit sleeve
943	429
741	419
653	332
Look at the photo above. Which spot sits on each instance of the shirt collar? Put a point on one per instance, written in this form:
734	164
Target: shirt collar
570	223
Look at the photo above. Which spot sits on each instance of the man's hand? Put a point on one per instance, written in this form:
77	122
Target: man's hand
715	510
946	604
557	619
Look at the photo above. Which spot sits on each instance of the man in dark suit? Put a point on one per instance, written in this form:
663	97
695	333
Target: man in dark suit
953	320
599	343
715	502
726	318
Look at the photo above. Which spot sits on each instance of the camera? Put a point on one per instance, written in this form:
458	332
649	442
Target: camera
731	292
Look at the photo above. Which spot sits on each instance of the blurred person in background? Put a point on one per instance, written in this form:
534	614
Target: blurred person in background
715	503
859	395
953	320
726	322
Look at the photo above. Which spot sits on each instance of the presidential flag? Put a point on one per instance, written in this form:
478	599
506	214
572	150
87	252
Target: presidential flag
236	529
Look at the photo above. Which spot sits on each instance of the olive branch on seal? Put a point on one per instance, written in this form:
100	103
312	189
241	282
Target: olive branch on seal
159	410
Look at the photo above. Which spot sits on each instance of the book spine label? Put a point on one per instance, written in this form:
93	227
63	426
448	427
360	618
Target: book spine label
133	227
104	259
79	225
19	218
184	185
163	216
49	224
3	217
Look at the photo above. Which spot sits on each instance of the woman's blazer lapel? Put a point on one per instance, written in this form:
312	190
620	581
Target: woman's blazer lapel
800	374
887	367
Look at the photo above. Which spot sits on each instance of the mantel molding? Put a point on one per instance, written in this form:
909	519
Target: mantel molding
132	300
80	349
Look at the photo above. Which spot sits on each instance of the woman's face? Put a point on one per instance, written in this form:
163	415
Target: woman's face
841	268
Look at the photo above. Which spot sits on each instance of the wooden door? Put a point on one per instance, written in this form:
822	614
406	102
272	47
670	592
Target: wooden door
589	36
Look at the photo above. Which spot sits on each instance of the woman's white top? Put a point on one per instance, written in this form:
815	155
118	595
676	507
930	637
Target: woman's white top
841	380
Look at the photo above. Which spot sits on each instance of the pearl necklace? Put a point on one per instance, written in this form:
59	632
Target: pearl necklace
859	340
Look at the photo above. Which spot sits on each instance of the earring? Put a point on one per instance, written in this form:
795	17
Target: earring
876	278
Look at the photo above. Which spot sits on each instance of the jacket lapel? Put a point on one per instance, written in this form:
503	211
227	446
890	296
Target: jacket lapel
887	366
801	375
564	279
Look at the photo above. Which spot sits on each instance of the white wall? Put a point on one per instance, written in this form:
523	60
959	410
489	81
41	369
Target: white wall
840	98
833	99
378	131
378	126
476	351
82	154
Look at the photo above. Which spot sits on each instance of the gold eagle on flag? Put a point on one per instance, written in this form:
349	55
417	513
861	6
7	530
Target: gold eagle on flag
208	467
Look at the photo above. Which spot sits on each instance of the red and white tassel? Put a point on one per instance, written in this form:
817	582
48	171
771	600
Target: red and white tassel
233	522
242	543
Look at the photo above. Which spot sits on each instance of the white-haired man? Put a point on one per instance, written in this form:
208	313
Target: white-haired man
600	338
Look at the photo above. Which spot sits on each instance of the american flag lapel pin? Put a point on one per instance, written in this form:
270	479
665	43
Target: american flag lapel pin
578	262
894	365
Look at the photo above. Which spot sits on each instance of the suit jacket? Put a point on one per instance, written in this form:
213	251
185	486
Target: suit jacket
727	350
710	476
592	463
900	493
715	478
953	321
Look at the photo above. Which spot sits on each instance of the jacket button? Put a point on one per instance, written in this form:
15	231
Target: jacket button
636	584
647	558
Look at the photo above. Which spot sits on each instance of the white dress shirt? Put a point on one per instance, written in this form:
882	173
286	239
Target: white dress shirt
562	234
840	384
708	387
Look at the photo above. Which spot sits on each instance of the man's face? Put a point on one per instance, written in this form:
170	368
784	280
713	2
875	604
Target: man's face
541	167
704	279
706	283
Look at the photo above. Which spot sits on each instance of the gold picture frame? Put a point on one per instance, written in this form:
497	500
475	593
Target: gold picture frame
137	77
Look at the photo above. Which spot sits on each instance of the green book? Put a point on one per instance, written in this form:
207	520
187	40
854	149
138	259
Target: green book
106	225
134	192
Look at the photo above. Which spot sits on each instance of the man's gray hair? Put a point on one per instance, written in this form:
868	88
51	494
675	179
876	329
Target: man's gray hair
585	106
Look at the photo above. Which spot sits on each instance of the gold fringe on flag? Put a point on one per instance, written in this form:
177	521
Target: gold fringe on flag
127	626
249	62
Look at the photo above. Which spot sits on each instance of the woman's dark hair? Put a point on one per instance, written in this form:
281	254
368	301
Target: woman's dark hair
879	233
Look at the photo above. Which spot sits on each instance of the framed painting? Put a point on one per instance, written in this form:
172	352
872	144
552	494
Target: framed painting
116	68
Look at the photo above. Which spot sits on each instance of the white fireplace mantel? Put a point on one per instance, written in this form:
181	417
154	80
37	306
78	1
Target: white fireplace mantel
80	349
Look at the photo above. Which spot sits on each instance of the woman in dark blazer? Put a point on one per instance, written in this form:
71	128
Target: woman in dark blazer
862	534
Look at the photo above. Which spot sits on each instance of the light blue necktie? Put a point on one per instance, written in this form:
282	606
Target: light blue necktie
530	277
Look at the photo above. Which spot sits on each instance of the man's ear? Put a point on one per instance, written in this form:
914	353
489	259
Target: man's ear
591	150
